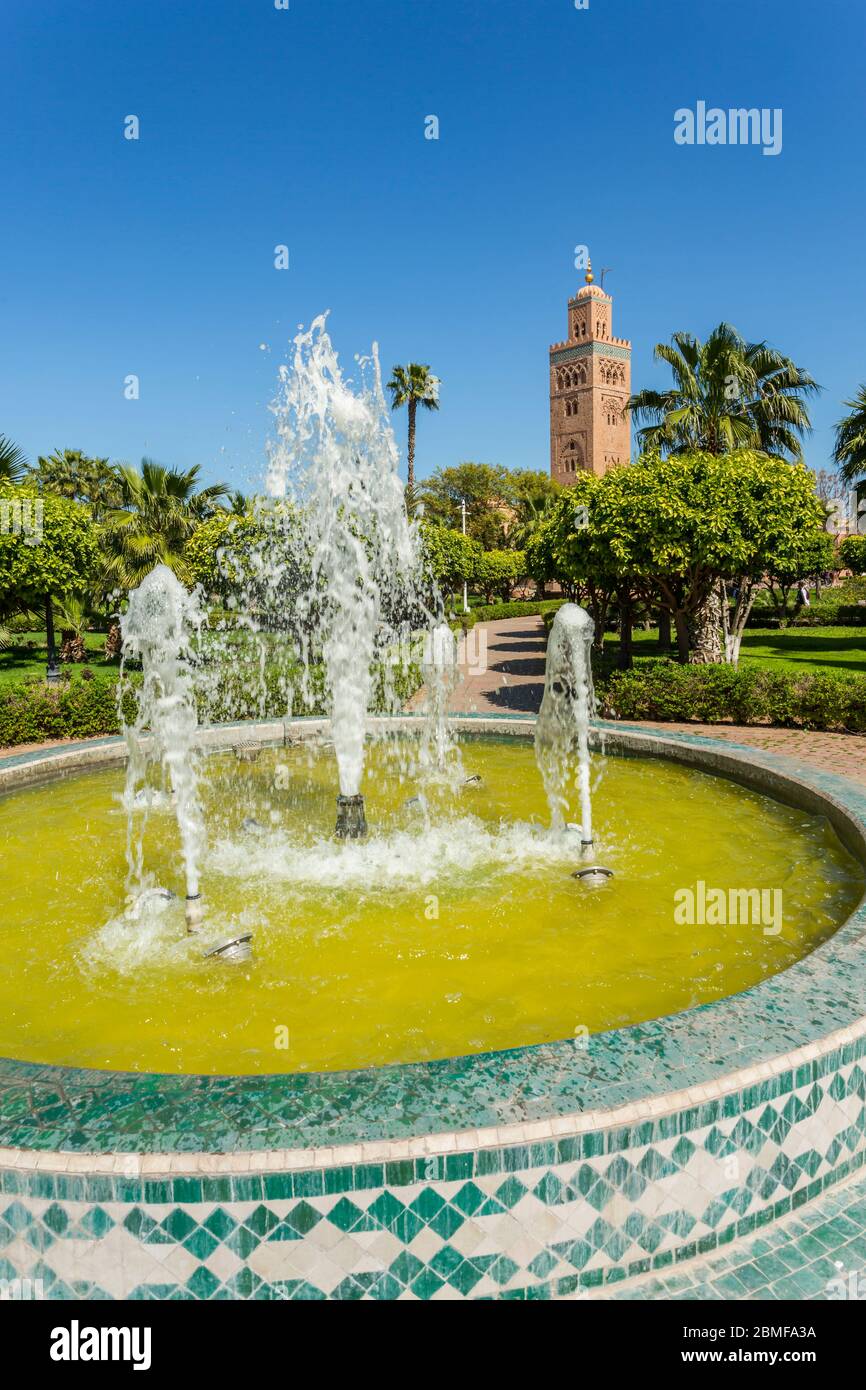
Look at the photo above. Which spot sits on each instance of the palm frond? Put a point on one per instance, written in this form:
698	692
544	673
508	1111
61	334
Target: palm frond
13	463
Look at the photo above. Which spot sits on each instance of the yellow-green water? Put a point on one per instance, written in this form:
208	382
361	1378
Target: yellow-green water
461	934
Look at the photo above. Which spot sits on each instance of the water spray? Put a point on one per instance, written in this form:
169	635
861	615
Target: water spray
336	460
568	705
161	627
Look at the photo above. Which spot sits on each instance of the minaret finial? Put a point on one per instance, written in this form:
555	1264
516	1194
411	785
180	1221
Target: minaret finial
589	277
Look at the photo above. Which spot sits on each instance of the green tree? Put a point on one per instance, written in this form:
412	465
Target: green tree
675	529
852	554
55	561
572	545
727	394
451	558
531	513
811	554
412	386
161	509
850	450
13	464
498	571
488	492
70	473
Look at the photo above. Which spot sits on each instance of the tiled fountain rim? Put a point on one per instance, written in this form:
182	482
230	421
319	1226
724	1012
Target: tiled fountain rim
691	1067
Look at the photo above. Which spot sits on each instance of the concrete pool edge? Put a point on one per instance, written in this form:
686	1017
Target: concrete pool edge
603	1192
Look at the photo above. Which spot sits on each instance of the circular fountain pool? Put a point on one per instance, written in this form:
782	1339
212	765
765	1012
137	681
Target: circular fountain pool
456	927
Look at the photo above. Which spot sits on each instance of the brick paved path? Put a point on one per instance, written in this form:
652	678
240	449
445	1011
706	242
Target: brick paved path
504	668
513	683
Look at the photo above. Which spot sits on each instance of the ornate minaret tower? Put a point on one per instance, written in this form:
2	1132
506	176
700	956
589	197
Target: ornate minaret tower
590	382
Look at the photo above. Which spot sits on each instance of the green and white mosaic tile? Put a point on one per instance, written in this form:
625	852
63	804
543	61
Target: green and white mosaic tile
530	1174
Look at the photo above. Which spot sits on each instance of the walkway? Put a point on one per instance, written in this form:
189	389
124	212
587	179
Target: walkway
504	668
505	675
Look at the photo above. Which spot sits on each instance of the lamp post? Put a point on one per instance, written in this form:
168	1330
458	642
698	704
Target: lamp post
53	672
463	521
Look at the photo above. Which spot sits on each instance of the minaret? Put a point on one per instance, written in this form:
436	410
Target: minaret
590	382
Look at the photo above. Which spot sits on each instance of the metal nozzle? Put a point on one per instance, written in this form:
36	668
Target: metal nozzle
593	874
351	820
235	951
194	911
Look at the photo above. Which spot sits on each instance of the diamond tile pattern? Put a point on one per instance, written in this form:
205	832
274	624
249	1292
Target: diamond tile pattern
529	1221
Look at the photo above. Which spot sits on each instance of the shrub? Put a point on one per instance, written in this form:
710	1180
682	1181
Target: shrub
665	690
23	623
85	706
497	612
852	554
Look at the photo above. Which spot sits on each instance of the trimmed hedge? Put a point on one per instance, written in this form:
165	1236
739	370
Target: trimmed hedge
665	690
496	612
828	613
842	606
85	706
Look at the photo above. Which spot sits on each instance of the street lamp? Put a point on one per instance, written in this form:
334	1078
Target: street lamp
463	520
53	673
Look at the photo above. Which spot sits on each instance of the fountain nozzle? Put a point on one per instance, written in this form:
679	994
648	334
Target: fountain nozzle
235	951
194	911
593	875
351	821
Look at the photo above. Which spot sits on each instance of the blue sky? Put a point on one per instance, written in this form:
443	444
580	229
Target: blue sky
306	127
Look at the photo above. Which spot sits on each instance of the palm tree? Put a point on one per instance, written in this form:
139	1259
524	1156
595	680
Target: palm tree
850	450
413	386
162	507
13	464
72	474
531	512
72	612
727	394
238	503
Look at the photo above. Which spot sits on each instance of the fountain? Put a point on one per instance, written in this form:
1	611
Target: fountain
401	941
568	705
337	457
337	594
439	755
160	628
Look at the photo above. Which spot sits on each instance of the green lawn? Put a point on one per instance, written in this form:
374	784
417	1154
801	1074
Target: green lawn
833	648
798	648
28	656
807	649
